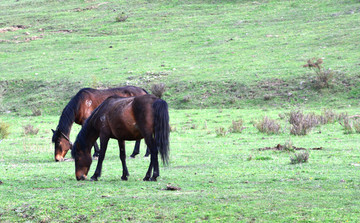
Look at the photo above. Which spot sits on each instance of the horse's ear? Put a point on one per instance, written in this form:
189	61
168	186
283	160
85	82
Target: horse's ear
53	131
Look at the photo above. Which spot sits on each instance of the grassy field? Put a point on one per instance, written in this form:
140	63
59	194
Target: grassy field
221	61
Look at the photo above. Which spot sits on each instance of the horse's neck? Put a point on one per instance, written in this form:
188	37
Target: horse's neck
65	129
91	136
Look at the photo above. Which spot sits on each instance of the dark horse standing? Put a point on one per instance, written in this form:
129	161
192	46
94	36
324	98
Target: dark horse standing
120	118
79	109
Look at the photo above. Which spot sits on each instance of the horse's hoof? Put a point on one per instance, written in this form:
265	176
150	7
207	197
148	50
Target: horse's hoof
124	178
94	178
146	179
152	179
83	177
132	157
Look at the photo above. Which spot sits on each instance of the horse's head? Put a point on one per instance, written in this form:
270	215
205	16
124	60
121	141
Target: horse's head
62	145
82	161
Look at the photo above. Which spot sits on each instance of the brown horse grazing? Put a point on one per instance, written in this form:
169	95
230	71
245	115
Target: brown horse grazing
79	109
120	118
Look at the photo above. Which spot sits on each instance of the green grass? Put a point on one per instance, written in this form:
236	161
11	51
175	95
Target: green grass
218	181
221	61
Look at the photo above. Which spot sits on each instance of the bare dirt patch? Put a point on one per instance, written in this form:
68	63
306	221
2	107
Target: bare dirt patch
280	147
90	7
11	29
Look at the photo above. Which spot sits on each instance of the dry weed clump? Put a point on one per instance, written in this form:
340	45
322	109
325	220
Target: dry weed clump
302	124
237	126
328	116
350	126
357	126
267	125
158	89
299	158
30	130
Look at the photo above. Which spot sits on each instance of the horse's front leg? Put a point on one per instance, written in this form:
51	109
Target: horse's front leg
123	159
96	150
136	149
103	146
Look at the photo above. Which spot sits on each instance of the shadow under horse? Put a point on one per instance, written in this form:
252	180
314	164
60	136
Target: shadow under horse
132	118
79	109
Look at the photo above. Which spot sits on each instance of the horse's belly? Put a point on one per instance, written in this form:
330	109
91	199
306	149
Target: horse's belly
128	132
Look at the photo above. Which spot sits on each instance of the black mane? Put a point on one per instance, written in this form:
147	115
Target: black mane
67	117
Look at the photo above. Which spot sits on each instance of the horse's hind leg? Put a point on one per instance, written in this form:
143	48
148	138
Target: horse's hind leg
123	159
155	164
150	142
136	149
103	146
96	150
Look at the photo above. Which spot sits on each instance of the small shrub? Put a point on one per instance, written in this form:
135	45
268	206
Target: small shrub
323	77
267	125
220	131
299	158
158	89
4	130
30	130
237	126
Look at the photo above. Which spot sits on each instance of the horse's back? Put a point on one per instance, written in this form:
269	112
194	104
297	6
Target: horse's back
129	118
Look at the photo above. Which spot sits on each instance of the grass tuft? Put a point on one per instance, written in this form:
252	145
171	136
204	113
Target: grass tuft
299	158
237	126
221	131
268	126
30	130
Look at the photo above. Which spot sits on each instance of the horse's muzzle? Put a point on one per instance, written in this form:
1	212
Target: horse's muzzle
82	177
59	159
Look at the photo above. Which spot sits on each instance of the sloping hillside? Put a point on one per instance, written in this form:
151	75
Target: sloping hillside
208	54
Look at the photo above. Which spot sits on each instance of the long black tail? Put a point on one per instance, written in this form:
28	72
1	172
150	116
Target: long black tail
162	129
